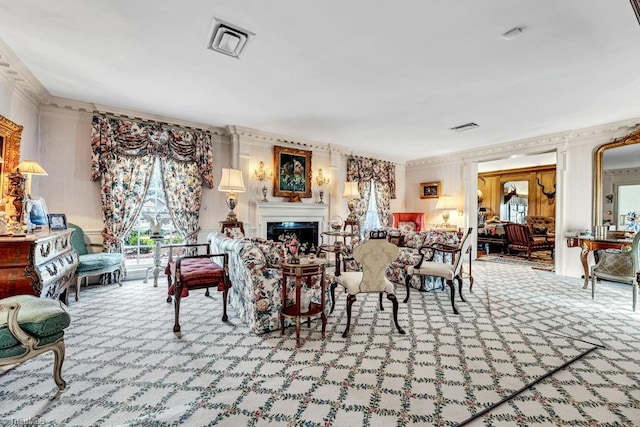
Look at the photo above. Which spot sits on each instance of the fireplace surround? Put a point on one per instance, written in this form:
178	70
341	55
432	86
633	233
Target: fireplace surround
292	217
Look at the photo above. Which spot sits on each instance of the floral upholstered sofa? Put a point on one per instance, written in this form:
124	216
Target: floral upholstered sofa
409	242
256	278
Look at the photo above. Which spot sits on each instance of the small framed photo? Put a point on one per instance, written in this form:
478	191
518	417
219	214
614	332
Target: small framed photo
57	222
429	190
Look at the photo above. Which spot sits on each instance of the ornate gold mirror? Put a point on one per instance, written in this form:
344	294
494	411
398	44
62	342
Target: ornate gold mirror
10	134
616	165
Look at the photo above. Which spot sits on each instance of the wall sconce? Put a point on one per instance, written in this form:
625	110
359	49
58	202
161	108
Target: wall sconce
445	204
231	183
262	175
321	180
351	192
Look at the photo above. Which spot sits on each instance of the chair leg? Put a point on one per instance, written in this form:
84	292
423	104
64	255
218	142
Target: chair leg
225	293
453	295
78	284
407	280
58	351
459	279
593	286
381	307
635	295
176	303
168	287
394	301
206	293
350	300
333	296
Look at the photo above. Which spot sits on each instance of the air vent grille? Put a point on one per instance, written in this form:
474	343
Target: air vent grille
227	38
464	127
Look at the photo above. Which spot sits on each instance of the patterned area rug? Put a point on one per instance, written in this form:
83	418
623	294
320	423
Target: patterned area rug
124	366
537	262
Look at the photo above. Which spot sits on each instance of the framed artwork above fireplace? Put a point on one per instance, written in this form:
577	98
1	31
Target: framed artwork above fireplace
292	177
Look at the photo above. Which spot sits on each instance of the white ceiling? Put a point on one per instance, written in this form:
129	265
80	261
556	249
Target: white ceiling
383	78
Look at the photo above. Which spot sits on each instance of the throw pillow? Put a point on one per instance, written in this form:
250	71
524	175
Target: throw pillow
407	226
397	240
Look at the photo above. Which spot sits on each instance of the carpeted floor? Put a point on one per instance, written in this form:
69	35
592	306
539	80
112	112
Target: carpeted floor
124	366
538	261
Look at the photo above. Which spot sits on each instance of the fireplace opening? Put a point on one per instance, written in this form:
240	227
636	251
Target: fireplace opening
306	233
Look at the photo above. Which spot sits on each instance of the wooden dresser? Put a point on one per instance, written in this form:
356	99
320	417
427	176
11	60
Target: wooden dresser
42	264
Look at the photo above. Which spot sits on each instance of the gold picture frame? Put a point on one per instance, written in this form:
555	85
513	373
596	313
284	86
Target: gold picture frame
429	190
10	135
292	177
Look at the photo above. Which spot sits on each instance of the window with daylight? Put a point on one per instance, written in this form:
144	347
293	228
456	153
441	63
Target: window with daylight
138	244
372	218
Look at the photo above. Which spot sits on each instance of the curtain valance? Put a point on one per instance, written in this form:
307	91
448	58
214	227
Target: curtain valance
364	170
120	137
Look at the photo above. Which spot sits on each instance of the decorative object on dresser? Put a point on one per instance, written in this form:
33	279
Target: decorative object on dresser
42	263
293	173
231	183
28	168
373	256
94	264
429	190
426	266
445	204
30	326
262	174
199	271
57	222
322	181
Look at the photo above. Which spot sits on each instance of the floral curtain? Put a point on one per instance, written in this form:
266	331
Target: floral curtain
122	159
383	174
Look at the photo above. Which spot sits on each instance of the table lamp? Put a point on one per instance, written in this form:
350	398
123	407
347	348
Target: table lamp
231	183
28	168
445	204
351	192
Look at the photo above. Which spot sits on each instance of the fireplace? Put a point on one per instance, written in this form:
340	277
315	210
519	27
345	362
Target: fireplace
306	220
306	233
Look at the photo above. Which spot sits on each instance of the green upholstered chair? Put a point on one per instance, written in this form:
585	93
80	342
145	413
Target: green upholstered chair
94	264
30	326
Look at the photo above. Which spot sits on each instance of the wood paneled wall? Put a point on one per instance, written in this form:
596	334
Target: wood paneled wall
492	186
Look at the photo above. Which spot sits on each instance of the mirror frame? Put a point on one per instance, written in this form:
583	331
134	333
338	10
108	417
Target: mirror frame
11	134
632	138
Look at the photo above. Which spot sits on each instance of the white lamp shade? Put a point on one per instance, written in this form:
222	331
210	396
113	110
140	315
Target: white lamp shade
351	190
231	181
31	167
445	202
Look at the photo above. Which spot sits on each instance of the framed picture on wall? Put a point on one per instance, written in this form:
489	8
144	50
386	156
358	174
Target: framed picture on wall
429	190
292	177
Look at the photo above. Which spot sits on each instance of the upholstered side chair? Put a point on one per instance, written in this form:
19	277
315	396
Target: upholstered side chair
426	266
30	326
619	266
373	256
94	264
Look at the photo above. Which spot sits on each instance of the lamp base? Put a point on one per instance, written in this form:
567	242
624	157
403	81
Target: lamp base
264	193
231	217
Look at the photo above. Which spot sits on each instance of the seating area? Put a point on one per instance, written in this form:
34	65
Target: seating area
520	240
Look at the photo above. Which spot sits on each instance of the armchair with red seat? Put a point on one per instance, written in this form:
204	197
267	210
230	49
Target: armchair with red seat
408	221
193	271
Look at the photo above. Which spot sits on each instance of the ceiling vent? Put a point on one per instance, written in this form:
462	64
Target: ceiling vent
513	33
227	38
466	126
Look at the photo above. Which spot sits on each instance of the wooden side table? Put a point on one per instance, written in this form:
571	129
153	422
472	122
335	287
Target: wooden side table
303	273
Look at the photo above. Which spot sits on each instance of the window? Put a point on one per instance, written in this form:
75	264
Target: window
372	219
138	245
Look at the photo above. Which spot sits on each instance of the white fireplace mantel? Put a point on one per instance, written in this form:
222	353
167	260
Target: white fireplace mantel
267	212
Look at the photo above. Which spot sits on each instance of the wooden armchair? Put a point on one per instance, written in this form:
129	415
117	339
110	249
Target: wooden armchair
520	239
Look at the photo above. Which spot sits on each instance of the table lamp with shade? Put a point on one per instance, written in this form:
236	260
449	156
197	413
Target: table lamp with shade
28	168
351	192
445	204
231	183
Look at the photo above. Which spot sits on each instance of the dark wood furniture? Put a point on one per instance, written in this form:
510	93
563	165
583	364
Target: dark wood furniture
520	239
488	241
308	274
41	264
230	225
191	272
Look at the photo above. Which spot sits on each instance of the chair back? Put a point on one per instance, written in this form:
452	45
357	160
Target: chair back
464	247
77	240
517	234
374	256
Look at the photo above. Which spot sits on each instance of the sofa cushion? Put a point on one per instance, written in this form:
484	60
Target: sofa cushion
253	257
407	226
98	261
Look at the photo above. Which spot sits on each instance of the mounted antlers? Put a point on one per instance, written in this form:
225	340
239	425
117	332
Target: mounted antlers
551	194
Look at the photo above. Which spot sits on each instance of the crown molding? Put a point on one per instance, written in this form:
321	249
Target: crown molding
15	72
534	145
